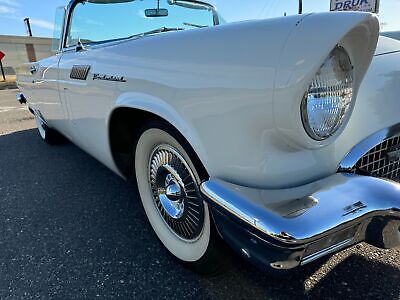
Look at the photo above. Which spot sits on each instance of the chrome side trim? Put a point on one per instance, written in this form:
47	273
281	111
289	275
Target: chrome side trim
351	159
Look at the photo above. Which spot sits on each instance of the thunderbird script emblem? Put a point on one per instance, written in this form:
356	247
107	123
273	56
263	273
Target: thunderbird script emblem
108	77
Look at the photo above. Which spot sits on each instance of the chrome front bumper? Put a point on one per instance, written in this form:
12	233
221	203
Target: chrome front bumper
283	229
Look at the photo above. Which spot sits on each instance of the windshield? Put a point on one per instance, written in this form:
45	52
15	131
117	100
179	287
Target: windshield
94	22
99	22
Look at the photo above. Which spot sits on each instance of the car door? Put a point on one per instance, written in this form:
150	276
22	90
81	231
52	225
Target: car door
87	101
45	96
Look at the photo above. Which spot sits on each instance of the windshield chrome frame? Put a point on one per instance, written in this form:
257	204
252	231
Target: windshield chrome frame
61	41
73	3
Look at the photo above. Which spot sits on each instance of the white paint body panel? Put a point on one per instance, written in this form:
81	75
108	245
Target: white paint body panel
233	91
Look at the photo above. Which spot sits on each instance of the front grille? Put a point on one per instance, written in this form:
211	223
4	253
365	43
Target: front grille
382	161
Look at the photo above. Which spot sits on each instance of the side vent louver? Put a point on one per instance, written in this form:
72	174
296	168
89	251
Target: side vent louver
79	72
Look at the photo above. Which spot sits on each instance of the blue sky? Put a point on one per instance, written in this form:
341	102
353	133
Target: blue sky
41	12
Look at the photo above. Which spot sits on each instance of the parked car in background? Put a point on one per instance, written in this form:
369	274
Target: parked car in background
278	137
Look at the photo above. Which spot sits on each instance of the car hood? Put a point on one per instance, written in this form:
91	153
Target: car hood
387	45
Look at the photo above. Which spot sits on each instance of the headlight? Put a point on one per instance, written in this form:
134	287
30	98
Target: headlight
329	97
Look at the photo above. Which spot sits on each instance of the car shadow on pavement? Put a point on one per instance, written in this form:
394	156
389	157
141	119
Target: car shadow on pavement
70	228
361	278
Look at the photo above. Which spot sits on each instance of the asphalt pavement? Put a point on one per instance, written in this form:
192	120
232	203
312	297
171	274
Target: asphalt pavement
71	229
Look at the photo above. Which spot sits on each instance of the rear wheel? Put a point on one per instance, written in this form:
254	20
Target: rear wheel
168	183
47	134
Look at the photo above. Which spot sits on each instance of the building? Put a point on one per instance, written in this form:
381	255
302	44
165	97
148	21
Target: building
19	50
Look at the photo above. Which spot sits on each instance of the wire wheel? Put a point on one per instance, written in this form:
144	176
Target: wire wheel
175	193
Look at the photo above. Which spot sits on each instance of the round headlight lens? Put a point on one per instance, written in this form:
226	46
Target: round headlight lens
329	96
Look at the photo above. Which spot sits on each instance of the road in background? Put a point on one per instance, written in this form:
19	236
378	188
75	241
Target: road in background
13	116
71	229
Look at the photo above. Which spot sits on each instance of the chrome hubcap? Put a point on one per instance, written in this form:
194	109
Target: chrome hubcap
170	196
175	192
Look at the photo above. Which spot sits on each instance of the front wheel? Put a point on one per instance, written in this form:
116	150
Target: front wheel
168	184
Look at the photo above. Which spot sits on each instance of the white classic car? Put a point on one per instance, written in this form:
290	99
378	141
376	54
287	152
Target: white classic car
271	136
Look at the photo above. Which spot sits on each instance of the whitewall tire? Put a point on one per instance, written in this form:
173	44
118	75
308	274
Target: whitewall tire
168	185
41	127
50	136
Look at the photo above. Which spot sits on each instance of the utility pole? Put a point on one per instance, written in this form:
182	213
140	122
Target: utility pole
30	49
28	27
300	7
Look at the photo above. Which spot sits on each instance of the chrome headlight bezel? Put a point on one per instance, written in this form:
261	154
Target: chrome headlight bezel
335	94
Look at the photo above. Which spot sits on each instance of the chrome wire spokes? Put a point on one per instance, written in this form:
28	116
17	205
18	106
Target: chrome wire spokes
175	192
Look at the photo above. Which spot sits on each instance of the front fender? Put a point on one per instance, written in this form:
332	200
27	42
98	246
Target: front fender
305	51
232	89
166	111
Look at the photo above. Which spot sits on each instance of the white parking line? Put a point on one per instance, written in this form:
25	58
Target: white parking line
10	108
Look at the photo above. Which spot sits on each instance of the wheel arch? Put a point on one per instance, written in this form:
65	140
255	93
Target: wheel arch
128	118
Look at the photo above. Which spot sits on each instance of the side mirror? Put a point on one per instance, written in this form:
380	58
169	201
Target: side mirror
79	46
156	12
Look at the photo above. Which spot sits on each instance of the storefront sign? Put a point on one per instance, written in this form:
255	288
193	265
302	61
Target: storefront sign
371	6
